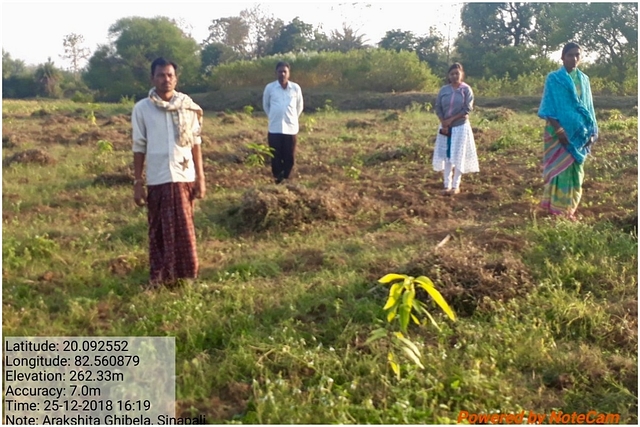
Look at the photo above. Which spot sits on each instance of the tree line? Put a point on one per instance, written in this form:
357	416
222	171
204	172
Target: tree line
498	41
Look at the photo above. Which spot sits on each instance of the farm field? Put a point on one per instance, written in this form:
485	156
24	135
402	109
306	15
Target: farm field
275	328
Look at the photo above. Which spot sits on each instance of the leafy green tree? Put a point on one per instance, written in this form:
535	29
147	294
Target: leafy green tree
122	68
399	40
48	78
296	36
544	33
430	48
232	32
609	29
214	54
490	27
264	28
110	76
319	43
12	67
250	35
514	61
19	86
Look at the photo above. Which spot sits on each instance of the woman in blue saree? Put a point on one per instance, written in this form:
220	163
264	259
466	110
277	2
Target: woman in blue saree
567	106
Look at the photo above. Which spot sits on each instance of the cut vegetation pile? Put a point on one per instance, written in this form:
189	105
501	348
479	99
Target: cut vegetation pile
285	207
469	277
35	156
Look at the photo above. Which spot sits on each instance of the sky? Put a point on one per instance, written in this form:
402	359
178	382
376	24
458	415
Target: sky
33	31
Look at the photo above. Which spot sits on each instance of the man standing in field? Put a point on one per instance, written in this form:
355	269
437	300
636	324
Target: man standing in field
282	101
166	132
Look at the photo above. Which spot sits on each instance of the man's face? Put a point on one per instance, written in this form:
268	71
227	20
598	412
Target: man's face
165	79
282	72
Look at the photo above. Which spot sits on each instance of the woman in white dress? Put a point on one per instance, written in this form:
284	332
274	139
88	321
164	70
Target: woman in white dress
455	152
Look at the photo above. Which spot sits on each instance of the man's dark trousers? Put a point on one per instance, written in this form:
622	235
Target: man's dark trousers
283	156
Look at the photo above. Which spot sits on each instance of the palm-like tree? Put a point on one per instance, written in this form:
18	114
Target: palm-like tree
347	40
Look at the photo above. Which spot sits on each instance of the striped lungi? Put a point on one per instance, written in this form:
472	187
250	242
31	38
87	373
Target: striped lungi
563	177
172	236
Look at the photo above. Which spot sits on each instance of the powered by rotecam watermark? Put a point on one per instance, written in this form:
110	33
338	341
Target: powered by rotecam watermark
532	417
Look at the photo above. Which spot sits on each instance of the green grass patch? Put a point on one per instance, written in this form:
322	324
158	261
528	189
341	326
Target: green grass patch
274	330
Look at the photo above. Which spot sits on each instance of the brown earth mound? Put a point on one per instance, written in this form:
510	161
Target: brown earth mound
230	120
359	124
65	119
90	137
119	139
385	156
30	156
120	266
497	114
237	156
628	224
57	119
114	180
231	400
465	277
40	113
282	207
303	260
9	140
119	120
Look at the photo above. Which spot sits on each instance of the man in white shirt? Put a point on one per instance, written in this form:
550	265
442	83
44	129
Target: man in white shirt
282	101
166	133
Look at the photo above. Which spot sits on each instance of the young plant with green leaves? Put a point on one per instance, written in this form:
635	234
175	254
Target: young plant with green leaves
104	147
259	154
92	118
400	307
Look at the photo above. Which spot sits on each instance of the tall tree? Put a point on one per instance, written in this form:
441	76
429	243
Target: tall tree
75	52
103	68
609	29
399	40
545	27
214	54
429	48
137	42
264	28
517	20
294	37
232	32
48	78
490	27
10	66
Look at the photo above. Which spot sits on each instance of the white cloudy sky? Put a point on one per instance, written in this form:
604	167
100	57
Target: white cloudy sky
33	31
